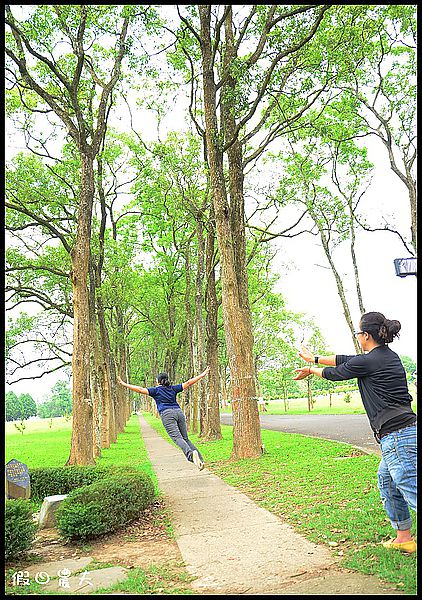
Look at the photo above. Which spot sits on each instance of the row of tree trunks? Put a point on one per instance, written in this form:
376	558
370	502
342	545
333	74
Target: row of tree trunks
212	429
190	410
105	410
199	326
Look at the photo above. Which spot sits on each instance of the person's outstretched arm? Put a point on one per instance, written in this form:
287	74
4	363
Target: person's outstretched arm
310	358
329	361
135	388
306	371
190	382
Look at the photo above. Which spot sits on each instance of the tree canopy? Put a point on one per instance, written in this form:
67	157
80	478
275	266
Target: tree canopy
165	149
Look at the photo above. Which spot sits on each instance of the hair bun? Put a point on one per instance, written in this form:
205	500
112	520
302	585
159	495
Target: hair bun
383	332
389	330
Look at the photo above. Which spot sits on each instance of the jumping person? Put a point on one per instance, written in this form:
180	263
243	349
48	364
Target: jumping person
170	412
383	387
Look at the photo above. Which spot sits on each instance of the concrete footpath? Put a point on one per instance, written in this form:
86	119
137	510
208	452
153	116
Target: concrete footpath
233	546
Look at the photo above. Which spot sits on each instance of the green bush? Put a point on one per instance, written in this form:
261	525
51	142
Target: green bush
104	506
20	527
62	480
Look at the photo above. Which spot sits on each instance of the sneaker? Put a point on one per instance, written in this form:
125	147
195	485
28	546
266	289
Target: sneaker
408	547
197	460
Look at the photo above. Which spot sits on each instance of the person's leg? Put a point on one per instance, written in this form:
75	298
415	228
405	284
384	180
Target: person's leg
400	456
394	504
184	432
170	420
397	481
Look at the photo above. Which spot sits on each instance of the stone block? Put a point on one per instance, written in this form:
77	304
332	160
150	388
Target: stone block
47	516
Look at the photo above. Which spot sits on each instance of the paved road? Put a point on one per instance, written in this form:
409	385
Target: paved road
351	429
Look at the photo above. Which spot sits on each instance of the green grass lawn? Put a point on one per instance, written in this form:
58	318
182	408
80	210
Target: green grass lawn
42	446
39	445
326	490
299	406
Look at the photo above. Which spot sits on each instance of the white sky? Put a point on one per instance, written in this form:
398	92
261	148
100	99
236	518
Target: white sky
312	289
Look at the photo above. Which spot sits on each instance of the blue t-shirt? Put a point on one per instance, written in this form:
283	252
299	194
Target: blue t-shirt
165	396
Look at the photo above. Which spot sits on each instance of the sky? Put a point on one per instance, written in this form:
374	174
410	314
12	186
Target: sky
306	283
311	288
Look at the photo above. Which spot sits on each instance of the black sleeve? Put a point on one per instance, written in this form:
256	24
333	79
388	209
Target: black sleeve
342	358
354	366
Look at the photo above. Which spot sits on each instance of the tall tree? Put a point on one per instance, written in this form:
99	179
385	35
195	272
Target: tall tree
212	430
381	98
331	215
66	82
225	140
41	227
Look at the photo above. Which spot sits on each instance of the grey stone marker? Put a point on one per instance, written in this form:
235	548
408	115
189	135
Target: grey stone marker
47	516
18	484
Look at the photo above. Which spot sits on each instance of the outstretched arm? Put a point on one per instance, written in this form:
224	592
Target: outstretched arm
307	355
135	388
195	379
306	371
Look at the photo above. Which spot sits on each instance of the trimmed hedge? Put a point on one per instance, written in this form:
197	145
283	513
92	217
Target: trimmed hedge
104	506
49	481
20	527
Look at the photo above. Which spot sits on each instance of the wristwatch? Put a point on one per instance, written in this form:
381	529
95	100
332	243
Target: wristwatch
316	359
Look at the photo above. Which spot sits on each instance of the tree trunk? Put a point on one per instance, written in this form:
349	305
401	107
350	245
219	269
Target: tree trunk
121	410
118	398
212	426
236	313
413	212
124	370
81	452
309	392
194	400
105	405
107	425
96	360
199	329
340	288
187	396
354	261
223	386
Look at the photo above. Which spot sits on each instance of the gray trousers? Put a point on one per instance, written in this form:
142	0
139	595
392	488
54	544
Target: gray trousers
174	422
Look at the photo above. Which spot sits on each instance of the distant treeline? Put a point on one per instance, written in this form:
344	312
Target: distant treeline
58	404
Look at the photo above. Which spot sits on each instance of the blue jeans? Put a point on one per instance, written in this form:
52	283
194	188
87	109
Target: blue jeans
397	476
174	422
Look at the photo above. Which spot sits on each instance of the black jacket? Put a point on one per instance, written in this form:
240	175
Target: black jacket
381	380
